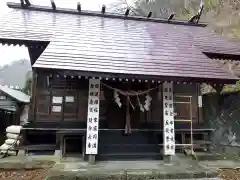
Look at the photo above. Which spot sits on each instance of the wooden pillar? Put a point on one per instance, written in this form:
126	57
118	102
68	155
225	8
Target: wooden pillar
34	53
199	99
93	120
149	113
168	120
33	95
63	104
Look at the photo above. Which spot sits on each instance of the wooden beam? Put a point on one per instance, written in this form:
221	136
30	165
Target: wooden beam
142	78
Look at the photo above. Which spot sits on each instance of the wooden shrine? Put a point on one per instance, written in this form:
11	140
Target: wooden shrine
109	86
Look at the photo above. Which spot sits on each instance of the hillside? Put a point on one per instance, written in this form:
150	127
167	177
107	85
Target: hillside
222	16
15	74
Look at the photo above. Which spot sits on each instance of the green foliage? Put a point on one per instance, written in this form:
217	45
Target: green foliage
210	5
231	88
222	15
28	86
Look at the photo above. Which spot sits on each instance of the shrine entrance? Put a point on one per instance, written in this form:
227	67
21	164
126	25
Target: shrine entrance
128	132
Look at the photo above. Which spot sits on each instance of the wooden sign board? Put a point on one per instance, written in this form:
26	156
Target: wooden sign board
93	117
168	118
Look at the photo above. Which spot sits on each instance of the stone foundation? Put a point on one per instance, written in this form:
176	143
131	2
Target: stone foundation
133	175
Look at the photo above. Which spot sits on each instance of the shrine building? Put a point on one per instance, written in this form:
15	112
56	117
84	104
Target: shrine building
110	86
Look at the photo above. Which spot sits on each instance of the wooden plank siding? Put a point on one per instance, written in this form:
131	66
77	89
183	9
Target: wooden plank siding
12	118
183	110
49	87
111	116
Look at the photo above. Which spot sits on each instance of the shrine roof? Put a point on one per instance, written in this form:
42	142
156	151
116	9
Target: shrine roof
15	94
92	42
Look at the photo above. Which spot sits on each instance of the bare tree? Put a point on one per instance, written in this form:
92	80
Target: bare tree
159	8
28	84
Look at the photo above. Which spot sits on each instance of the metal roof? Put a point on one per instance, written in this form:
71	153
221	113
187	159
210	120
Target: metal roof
8	105
110	45
15	94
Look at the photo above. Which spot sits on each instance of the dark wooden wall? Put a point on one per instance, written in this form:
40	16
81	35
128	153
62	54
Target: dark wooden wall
9	118
15	116
50	87
111	116
183	110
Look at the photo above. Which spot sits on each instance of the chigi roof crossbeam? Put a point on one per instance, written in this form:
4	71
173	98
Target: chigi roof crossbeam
25	4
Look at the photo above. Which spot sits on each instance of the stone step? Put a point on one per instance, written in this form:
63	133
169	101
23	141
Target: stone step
203	156
130	156
124	148
217	178
127	139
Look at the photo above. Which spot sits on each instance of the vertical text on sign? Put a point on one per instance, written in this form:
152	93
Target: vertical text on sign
93	116
168	118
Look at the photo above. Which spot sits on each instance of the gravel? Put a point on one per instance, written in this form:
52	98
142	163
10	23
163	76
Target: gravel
23	175
225	174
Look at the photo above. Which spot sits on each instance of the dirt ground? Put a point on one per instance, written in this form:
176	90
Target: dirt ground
230	174
23	175
225	174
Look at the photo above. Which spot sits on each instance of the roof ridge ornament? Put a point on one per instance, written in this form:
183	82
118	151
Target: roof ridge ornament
25	3
127	12
53	5
149	14
22	3
195	19
103	9
79	7
171	16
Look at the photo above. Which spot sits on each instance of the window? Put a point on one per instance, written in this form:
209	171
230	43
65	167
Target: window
57	104
3	97
57	100
69	99
56	108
